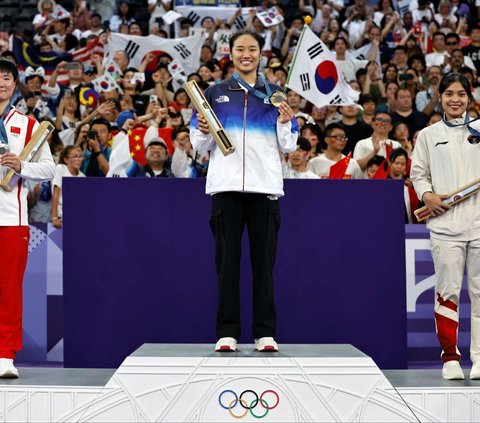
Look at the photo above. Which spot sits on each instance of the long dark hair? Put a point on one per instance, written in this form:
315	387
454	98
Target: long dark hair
450	78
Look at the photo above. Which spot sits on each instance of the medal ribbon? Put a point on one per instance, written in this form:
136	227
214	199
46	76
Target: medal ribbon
3	131
467	122
253	90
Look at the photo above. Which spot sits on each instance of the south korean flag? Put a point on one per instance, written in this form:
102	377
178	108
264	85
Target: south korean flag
105	83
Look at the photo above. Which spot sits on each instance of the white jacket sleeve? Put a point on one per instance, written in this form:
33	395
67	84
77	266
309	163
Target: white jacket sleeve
43	168
201	142
420	169
180	165
287	140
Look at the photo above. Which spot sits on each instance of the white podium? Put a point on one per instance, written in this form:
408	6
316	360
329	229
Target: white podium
301	383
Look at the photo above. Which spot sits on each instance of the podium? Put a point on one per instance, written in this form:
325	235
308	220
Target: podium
301	383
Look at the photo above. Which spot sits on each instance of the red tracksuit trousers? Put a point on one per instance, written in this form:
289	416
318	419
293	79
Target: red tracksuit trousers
13	260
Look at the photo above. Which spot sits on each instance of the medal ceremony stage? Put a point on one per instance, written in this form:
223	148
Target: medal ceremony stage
119	313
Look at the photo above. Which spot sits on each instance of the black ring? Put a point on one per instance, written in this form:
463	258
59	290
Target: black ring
256	399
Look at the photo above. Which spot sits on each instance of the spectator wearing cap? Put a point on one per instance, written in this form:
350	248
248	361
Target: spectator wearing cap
186	162
43	18
296	166
156	155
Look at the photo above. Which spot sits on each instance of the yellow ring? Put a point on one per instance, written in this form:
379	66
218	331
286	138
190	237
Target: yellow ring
240	415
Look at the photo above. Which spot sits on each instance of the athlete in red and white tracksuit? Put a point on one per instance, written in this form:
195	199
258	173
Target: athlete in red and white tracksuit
14	229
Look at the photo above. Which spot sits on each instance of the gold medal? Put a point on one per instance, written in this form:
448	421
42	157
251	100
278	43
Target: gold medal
277	98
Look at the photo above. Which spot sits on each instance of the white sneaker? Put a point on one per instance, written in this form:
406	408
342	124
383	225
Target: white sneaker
266	343
452	370
475	372
226	345
7	369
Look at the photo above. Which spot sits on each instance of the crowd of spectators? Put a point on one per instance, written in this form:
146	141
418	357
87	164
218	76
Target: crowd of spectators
407	53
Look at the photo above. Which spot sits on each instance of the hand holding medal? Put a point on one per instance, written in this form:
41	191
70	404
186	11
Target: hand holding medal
286	113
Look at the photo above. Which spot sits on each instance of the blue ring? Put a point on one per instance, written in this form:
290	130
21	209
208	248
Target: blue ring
220	399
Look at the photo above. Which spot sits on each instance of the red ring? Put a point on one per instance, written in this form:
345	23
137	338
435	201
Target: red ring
274	393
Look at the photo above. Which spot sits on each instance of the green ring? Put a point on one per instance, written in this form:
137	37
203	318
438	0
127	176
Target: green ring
264	403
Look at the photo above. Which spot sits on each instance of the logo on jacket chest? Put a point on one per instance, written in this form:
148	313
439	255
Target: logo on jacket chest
222	99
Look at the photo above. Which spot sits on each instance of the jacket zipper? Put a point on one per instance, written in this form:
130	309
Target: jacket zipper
244	133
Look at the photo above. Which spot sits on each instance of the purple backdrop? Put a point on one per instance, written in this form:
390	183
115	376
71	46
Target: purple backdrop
139	267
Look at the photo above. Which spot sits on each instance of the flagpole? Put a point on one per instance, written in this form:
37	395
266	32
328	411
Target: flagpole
295	56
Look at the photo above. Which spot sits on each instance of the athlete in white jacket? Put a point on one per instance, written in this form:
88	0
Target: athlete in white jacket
447	157
15	132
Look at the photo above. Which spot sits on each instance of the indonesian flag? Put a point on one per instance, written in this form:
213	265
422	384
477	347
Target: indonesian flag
337	171
315	76
184	50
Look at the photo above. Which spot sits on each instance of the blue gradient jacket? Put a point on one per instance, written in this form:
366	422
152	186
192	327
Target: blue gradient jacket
252	125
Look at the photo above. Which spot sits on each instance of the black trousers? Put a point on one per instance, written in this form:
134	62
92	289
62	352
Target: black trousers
231	212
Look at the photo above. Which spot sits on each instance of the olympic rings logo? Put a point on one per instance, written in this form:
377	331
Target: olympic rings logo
230	405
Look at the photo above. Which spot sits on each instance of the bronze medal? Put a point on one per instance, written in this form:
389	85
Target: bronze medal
277	98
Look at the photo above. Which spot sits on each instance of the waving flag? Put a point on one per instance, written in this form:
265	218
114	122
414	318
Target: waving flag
105	83
315	76
28	55
185	50
270	17
196	14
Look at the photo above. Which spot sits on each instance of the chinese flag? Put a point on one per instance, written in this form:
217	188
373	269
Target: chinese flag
137	149
137	146
337	171
383	170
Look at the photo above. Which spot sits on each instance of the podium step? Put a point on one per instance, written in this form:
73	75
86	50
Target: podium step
301	383
191	383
